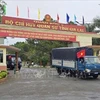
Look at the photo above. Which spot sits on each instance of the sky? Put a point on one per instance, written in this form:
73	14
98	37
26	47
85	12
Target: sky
88	8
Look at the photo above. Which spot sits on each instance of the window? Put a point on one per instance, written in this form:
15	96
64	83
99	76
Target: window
1	56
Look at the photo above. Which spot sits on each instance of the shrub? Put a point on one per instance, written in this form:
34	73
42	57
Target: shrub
3	74
44	61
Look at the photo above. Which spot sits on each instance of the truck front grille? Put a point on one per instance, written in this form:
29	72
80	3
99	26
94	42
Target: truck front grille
95	70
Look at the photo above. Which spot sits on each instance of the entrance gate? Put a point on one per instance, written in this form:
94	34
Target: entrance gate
46	30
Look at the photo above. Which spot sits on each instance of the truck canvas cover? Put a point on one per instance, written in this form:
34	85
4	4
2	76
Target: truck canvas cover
69	53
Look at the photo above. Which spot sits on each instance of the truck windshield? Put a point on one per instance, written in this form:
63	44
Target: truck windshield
91	60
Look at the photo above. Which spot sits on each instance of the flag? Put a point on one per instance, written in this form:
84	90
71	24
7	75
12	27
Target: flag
74	19
67	18
38	13
81	53
17	11
28	12
57	18
83	20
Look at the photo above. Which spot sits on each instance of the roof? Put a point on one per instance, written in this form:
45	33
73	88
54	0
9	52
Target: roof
94	46
10	48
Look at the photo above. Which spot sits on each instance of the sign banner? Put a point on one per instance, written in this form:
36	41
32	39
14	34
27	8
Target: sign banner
42	24
36	35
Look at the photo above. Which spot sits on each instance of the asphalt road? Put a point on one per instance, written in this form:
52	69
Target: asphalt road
45	84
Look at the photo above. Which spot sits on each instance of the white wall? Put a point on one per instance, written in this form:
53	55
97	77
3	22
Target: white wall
84	40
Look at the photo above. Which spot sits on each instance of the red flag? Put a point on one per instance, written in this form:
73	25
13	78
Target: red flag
81	53
28	12
57	18
17	11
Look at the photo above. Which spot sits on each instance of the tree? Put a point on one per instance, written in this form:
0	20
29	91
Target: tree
96	23
90	27
2	8
42	49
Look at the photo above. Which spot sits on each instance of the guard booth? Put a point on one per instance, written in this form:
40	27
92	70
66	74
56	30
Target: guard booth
3	50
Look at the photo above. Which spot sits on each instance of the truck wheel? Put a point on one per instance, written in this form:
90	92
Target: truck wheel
59	71
95	76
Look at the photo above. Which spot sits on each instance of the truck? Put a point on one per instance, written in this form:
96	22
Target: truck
76	61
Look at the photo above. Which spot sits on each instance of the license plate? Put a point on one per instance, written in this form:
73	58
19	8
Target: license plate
96	73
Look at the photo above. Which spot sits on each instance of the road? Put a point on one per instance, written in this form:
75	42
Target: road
45	84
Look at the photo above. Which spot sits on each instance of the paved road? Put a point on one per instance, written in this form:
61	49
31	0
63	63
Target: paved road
45	84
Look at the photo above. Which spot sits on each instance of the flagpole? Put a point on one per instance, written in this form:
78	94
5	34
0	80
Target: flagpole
38	13
28	12
17	12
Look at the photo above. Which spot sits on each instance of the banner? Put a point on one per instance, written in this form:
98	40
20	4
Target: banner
42	24
36	35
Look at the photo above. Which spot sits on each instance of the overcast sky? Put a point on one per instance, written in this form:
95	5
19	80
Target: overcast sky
87	8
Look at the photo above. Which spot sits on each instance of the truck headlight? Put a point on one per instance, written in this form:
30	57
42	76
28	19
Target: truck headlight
88	70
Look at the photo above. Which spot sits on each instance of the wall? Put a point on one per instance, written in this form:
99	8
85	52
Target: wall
84	40
3	65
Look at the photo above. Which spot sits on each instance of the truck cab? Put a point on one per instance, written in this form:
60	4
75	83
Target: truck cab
89	65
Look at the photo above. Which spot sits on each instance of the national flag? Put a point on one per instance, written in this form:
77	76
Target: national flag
67	18
17	11
57	18
28	12
83	20
81	53
38	13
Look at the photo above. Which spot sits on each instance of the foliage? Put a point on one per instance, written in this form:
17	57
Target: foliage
44	60
96	21
71	22
90	27
2	9
3	74
96	41
43	47
24	50
36	52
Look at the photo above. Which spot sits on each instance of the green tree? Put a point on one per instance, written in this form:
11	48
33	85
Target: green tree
96	23
2	9
43	48
24	50
90	27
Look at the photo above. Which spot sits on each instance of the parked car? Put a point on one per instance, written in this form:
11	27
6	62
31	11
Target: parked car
11	61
